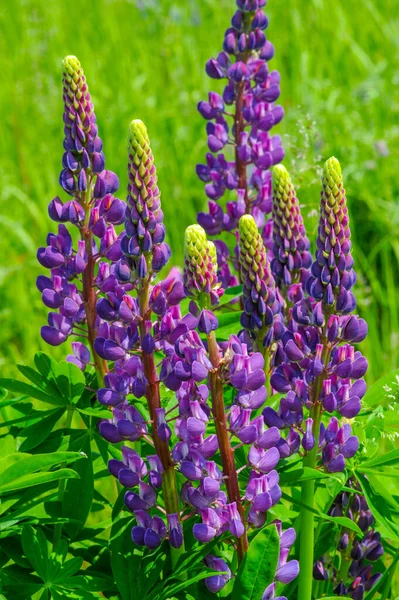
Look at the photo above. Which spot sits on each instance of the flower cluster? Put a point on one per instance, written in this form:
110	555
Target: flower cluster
262	312
204	428
286	571
144	243
354	577
132	329
251	90
317	367
292	259
69	290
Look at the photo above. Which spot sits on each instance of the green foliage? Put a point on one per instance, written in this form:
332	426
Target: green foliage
258	568
64	532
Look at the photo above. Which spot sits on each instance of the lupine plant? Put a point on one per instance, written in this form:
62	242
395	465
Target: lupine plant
216	415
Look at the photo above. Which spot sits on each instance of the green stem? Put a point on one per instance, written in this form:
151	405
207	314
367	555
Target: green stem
62	483
226	451
307	516
307	535
169	485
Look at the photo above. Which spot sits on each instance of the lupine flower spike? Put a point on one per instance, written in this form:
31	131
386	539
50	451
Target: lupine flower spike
144	244
94	210
262	316
318	369
291	256
249	95
130	337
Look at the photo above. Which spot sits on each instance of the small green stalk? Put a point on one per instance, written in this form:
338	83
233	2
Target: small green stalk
307	516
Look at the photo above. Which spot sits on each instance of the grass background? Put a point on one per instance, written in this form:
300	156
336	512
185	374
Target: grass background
145	59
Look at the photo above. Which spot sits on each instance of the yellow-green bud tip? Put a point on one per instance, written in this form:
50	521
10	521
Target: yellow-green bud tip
281	177
71	64
247	225
196	235
137	129
332	166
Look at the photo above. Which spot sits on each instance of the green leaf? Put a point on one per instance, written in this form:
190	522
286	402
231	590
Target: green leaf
125	563
178	587
40	381
71	381
20	387
37	478
228	323
377	391
34	544
36	434
69	568
98	413
343	522
259	565
386	459
379	505
17	465
79	492
304	474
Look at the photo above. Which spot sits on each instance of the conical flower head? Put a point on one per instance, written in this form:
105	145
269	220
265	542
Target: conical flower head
291	245
83	155
145	232
200	263
259	291
332	272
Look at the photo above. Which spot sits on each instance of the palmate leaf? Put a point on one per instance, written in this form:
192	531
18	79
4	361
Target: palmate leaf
36	433
38	478
390	458
20	387
175	588
18	471
258	568
59	384
34	544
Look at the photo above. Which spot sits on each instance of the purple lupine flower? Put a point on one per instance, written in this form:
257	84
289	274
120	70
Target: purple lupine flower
317	344
93	209
287	570
361	554
261	316
332	272
252	90
292	259
131	331
144	243
202	368
215	583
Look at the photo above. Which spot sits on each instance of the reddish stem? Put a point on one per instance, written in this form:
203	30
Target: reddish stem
90	298
169	485
241	167
226	451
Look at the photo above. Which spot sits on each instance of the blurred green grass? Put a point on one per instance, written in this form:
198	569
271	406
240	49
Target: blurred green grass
145	59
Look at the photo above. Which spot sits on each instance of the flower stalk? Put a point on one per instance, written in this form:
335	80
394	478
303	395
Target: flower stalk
226	451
